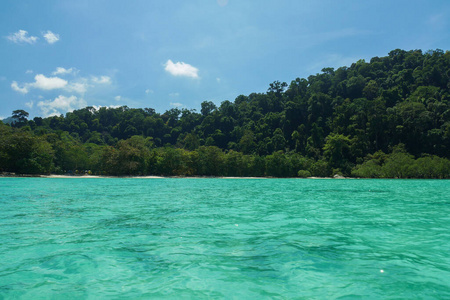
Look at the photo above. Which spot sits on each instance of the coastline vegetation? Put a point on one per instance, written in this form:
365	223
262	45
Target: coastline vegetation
387	118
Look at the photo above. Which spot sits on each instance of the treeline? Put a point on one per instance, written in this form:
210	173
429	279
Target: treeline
389	117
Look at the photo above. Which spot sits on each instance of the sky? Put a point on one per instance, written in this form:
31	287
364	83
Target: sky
58	56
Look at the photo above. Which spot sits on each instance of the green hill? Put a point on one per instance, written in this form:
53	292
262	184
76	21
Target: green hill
389	117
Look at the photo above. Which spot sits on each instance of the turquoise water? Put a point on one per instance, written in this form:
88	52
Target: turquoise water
224	238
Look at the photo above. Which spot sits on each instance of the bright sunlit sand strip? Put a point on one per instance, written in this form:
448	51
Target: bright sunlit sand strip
183	177
72	176
243	177
97	176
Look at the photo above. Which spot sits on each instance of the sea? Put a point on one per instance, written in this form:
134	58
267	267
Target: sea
218	238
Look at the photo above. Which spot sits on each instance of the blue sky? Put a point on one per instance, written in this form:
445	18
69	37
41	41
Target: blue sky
57	56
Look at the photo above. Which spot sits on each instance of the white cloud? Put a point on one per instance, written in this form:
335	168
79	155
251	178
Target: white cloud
28	71
62	71
19	89
21	36
176	104
97	107
149	91
52	83
61	104
79	87
117	98
51	37
29	104
218	80
181	69
48	83
174	94
101	79
81	84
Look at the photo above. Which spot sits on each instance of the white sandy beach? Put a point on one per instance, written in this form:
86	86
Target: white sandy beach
161	177
97	176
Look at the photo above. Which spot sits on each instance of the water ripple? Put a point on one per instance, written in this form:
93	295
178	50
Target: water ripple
212	238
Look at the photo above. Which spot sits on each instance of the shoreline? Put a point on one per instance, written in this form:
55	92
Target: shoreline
145	177
53	176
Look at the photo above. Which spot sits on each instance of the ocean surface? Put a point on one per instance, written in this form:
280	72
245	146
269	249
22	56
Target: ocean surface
119	238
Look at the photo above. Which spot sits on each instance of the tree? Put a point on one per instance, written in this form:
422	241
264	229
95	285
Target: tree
398	163
337	151
207	107
191	141
277	87
278	140
23	153
20	116
277	165
247	142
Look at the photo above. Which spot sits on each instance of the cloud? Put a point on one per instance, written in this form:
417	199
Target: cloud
51	37
60	104
101	79
117	98
79	87
21	36
63	71
29	104
97	107
16	87
181	69
52	83
82	84
149	91
176	104
48	83
28	71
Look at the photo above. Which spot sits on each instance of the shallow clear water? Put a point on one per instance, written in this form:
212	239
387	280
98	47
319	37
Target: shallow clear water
224	238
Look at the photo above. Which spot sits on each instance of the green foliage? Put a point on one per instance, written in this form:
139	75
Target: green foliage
303	173
369	169
20	117
320	169
400	164
337	150
207	108
277	165
21	152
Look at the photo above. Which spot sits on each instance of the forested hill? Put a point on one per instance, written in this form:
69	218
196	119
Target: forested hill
389	117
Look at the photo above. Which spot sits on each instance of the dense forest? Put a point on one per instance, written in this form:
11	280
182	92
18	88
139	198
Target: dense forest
387	118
